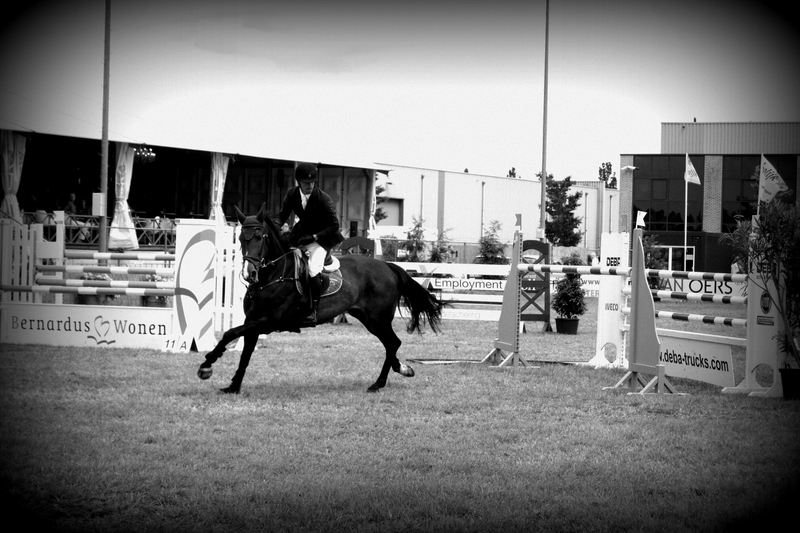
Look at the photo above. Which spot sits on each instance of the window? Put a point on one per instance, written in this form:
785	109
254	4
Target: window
673	255
660	189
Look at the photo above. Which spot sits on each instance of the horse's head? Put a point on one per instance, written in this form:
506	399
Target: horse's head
260	242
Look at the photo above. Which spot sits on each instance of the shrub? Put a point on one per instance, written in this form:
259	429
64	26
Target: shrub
569	301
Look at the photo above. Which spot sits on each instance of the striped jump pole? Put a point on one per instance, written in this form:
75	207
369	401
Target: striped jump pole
121	284
698	276
689	317
692	297
111	270
119	256
108	291
575	269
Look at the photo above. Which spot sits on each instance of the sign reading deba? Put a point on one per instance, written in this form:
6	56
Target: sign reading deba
81	325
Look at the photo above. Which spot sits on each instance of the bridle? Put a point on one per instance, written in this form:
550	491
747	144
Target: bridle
249	232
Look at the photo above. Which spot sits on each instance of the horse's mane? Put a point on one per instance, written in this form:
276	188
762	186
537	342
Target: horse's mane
276	235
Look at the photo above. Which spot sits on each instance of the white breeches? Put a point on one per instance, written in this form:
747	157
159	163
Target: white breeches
316	258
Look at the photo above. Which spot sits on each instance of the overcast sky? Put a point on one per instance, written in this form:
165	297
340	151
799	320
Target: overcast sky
444	85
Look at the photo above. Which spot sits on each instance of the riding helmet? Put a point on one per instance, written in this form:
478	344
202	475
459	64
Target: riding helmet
305	172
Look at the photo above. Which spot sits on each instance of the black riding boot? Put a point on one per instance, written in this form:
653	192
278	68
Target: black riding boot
315	288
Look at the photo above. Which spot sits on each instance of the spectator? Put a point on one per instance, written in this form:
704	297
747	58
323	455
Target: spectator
71	209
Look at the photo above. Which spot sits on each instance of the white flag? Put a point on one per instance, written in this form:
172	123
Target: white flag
640	218
770	182
690	175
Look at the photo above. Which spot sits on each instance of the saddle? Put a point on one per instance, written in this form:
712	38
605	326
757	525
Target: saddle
331	275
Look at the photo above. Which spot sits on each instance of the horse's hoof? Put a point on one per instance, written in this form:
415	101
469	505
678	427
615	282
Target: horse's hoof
373	389
204	372
230	390
406	371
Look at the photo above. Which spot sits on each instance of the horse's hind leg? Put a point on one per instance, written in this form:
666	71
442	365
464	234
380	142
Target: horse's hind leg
250	340
390	341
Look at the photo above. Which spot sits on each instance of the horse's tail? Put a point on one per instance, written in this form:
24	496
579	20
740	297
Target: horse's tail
423	305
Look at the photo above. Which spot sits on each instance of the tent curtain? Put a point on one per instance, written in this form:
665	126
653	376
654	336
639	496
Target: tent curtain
373	199
219	170
122	234
13	152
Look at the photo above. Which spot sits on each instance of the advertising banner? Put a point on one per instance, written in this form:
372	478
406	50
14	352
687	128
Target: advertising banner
709	362
82	325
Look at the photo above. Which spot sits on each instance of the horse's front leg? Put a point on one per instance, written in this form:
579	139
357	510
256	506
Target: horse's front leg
205	371
250	340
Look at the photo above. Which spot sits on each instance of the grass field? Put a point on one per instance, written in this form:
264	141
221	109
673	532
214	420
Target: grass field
130	440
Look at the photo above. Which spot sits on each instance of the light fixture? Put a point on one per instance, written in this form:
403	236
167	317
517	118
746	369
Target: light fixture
144	154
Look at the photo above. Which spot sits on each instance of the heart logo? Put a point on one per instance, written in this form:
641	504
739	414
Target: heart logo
101	326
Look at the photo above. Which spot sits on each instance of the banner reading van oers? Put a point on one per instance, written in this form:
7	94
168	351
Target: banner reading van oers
83	325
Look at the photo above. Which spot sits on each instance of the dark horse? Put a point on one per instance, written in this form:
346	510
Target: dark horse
370	291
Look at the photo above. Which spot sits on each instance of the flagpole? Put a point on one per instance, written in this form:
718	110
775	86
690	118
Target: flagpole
103	222
689	176
760	182
685	219
543	213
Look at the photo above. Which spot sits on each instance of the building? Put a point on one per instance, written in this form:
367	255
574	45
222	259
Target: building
463	205
599	212
727	157
458	203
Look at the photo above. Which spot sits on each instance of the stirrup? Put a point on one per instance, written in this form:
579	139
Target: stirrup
310	320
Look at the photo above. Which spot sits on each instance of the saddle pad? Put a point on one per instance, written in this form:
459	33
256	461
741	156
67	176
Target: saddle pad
334	285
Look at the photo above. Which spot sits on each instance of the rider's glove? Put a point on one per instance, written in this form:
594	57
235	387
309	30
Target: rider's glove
305	239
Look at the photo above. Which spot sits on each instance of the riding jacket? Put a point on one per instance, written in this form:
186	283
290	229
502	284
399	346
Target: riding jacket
318	218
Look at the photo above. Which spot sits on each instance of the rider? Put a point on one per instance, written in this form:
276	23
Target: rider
316	229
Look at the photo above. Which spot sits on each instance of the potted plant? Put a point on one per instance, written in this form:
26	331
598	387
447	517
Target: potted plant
569	301
96	299
772	243
155	301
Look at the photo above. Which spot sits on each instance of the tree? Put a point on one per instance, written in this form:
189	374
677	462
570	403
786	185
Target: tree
415	243
379	213
492	250
653	258
560	227
608	175
770	251
442	251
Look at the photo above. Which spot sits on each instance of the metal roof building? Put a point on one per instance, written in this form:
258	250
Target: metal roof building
727	157
721	138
